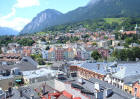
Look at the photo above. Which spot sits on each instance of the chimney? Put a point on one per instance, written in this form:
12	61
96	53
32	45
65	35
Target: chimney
21	93
99	95
108	93
98	66
32	97
97	86
10	91
80	80
43	91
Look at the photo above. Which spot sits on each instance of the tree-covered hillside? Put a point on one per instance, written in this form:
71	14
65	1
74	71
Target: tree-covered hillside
105	24
93	10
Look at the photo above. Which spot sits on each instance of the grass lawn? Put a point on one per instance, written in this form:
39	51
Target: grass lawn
110	20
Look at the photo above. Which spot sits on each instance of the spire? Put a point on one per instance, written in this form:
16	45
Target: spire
136	27
122	30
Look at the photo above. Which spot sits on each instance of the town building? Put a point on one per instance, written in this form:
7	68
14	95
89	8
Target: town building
122	78
59	53
45	54
115	43
89	70
70	53
39	75
103	43
136	31
136	89
10	57
103	52
27	51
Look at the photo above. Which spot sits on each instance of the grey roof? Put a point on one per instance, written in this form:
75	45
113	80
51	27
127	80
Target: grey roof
23	66
29	90
43	72
16	95
122	70
27	93
89	86
58	64
30	60
118	93
94	67
131	79
127	69
6	77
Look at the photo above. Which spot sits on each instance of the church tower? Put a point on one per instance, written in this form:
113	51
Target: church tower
122	30
136	29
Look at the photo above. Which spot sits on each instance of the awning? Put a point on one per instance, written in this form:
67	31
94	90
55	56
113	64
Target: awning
18	80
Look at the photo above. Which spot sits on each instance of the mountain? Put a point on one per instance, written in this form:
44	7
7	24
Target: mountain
46	18
7	31
105	9
94	9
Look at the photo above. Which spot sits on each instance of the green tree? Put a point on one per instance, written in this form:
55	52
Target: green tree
117	35
128	40
122	55
95	55
136	52
41	61
130	55
26	42
43	39
127	54
36	56
126	45
116	54
4	40
94	43
105	37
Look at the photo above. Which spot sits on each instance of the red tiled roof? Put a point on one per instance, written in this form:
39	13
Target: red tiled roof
77	98
129	32
68	95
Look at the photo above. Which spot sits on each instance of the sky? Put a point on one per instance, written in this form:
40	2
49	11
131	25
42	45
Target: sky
17	13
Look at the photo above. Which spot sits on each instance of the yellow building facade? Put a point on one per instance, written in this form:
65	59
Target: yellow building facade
128	88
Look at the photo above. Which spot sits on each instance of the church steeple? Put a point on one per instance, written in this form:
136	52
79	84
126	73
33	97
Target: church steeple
136	28
122	30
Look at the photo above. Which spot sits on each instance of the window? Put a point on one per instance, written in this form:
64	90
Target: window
135	89
74	74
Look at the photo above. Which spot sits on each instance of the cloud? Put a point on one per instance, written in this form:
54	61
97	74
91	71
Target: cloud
26	3
17	23
10	14
21	4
